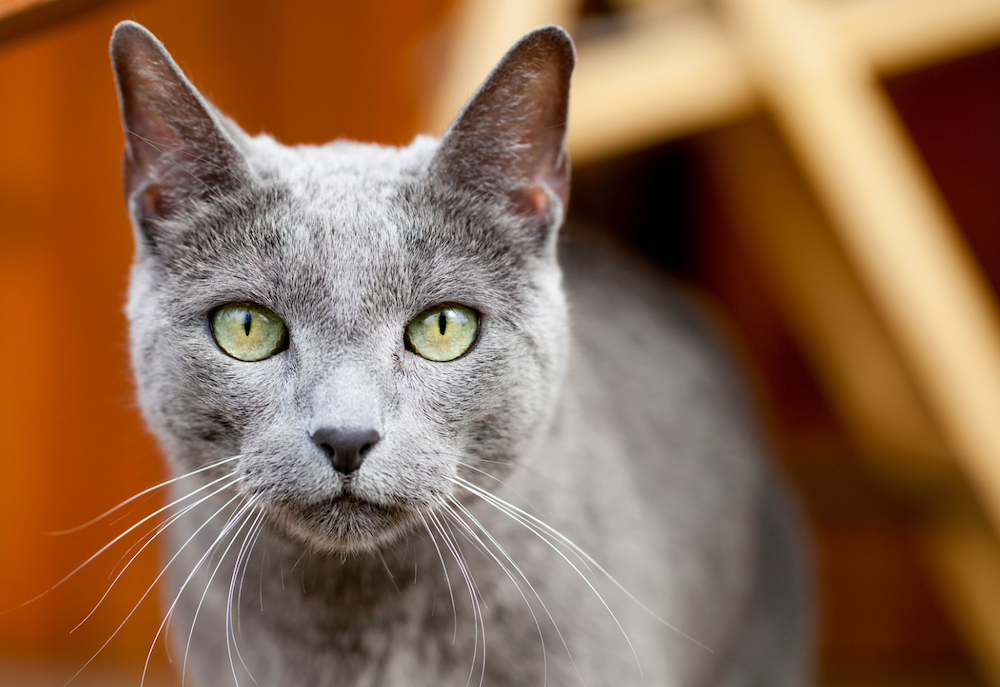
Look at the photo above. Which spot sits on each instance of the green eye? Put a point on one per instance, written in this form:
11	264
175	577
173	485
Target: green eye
442	333
248	332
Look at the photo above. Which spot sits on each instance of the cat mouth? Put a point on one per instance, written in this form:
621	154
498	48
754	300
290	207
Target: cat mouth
345	523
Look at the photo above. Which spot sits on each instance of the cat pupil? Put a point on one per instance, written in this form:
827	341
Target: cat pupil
442	322
247	318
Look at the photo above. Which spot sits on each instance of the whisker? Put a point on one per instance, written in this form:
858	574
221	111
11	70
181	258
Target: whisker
392	577
171	520
480	597
478	542
475	594
528	520
166	618
466	574
459	459
142	493
230	633
239	598
501	505
469	455
260	577
130	613
573	549
447	578
159	528
115	541
150	534
237	517
494	478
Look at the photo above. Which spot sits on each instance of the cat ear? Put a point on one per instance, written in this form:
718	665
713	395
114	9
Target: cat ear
510	137
175	145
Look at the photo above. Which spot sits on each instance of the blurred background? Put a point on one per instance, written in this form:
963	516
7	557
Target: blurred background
827	173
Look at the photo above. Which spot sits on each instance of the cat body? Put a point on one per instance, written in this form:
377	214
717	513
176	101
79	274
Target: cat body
576	497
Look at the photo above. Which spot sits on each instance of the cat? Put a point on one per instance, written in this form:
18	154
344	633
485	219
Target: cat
416	438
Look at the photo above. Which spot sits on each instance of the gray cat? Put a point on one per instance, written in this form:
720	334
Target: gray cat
399	462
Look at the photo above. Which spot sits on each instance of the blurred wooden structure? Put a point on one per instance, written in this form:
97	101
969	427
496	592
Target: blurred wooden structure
19	18
878	287
874	281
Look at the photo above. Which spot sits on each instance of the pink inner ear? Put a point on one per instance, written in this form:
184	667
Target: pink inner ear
544	170
151	138
152	202
535	201
511	132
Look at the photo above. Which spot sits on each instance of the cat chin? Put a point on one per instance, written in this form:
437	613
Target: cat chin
345	526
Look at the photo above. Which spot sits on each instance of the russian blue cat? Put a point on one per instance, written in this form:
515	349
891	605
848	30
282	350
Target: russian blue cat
421	441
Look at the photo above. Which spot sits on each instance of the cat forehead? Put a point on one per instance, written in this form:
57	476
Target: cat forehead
355	198
345	222
341	169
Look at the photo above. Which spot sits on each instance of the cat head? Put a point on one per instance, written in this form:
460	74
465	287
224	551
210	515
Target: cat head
351	326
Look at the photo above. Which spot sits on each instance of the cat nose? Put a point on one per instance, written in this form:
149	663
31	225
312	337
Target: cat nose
346	448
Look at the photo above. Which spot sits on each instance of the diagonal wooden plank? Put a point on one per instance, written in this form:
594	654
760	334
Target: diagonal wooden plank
905	247
965	556
902	35
482	31
19	18
652	81
786	233
677	73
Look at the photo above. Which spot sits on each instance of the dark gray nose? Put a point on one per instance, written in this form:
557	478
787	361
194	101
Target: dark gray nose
346	448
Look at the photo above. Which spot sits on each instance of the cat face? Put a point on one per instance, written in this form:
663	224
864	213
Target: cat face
358	324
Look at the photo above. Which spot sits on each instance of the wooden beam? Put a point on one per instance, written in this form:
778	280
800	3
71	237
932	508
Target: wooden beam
902	35
483	31
788	237
654	81
965	557
19	18
926	287
672	73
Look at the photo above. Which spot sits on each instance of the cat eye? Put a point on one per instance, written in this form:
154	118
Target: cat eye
442	333
248	331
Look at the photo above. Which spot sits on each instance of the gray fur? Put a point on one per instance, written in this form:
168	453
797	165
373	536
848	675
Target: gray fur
629	437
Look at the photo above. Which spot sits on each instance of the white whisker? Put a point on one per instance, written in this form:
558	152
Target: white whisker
539	526
230	633
229	527
503	507
478	600
459	459
392	578
115	541
447	578
180	549
130	614
259	527
144	492
171	520
482	545
453	547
